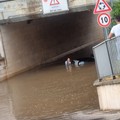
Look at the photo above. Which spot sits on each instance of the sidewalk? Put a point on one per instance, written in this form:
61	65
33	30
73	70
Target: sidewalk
90	115
5	103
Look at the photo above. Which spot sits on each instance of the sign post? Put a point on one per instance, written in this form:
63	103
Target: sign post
104	20
101	6
53	6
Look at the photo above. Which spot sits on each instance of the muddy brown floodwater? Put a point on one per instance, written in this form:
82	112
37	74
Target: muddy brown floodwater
52	91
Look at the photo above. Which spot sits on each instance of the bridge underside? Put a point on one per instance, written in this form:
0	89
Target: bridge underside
35	42
7	18
22	10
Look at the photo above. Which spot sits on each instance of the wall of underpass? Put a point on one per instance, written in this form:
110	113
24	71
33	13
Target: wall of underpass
28	44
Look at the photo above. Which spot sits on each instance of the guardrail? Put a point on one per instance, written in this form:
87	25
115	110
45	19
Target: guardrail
107	58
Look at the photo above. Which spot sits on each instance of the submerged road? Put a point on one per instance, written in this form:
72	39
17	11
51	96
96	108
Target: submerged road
49	92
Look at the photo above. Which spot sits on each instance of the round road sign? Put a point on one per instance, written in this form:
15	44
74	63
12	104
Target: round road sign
104	20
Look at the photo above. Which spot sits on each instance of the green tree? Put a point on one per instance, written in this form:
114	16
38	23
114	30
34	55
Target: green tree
115	12
115	9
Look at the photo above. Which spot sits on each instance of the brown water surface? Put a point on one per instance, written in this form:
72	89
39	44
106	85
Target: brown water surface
52	91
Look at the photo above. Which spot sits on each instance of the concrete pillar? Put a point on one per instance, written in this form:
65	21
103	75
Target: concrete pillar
108	94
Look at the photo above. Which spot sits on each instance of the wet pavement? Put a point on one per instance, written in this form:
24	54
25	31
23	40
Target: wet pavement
51	93
5	103
90	115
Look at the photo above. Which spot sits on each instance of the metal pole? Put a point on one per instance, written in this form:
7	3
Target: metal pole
114	77
105	29
111	2
105	32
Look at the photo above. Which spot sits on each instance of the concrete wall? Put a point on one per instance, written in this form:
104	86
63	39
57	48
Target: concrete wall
17	8
109	96
28	45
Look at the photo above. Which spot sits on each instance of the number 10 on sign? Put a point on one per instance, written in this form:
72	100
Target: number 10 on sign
104	20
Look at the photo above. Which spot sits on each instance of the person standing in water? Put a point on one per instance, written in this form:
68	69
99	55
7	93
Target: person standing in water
68	65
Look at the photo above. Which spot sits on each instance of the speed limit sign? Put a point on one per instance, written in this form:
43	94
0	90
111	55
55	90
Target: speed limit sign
104	20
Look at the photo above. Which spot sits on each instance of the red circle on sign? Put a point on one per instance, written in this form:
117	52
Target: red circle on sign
104	20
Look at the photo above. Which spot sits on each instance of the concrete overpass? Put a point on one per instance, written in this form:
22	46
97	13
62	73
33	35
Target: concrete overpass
29	38
20	10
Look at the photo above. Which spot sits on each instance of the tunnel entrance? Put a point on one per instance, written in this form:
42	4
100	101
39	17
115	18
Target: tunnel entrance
37	42
50	91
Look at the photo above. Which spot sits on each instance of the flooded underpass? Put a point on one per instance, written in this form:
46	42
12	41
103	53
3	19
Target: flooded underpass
52	91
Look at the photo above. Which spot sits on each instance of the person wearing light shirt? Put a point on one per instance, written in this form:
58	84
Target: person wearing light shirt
115	31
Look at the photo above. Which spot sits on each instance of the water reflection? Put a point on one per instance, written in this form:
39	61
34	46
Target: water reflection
52	91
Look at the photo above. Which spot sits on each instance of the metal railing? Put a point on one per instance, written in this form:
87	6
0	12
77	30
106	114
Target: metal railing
107	58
